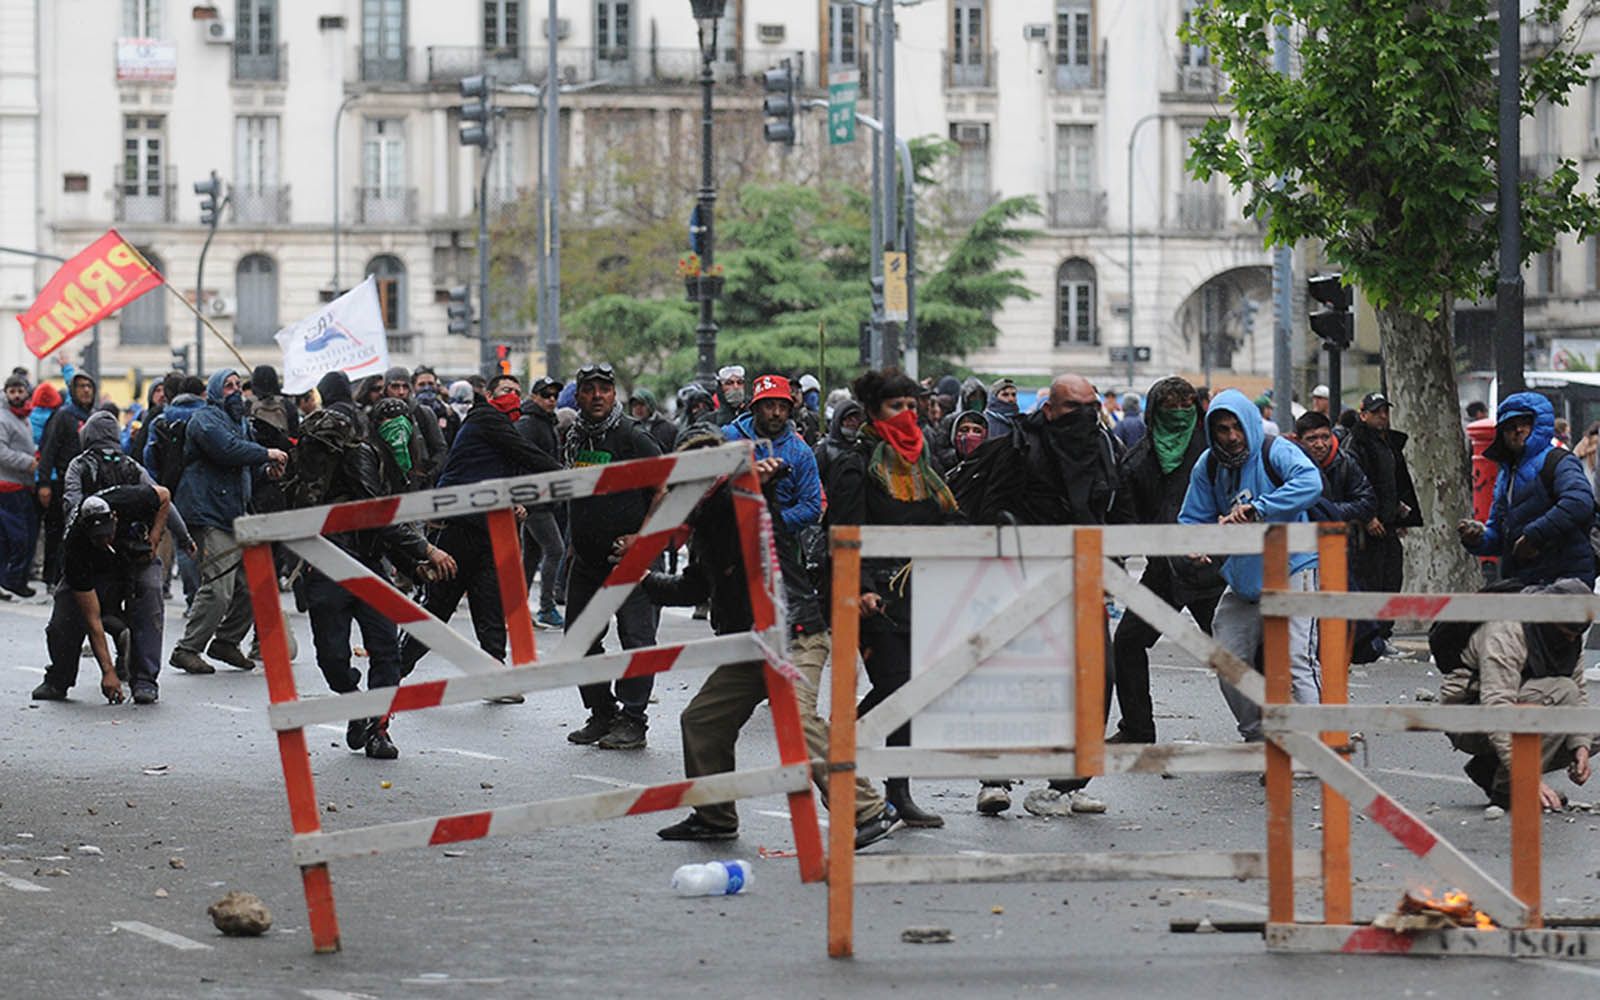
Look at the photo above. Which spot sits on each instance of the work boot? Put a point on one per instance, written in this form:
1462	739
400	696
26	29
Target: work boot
379	745
627	733
1124	736
190	662
993	800
695	828
49	692
899	795
229	653
145	694
591	731
355	733
877	826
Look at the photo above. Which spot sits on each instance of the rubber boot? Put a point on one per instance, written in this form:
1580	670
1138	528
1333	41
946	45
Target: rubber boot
898	792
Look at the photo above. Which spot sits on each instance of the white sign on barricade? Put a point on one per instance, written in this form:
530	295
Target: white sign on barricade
687	478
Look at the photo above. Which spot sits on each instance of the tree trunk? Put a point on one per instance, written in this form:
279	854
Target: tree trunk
1419	356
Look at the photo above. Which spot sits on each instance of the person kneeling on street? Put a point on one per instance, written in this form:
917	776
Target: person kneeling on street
1516	663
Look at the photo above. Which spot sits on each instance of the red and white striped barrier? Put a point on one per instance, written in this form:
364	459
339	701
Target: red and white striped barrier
687	479
1434	607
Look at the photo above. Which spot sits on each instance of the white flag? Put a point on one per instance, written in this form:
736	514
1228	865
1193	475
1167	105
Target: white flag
346	335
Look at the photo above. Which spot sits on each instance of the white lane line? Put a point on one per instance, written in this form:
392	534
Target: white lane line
613	782
1582	970
26	670
475	755
20	884
329	728
226	708
335	995
156	934
1454	779
1237	905
1181	670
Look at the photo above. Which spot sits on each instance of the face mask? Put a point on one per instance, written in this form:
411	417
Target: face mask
508	404
233	405
735	397
1076	421
849	433
811	399
968	441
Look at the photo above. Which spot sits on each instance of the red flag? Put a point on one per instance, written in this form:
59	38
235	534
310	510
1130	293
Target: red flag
106	276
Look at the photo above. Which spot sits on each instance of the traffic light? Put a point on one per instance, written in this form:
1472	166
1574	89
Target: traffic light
780	105
208	190
460	311
502	358
1334	322
476	111
180	358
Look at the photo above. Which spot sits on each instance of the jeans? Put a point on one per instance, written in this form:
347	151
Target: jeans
467	540
636	628
1237	627
221	609
544	534
712	721
332	609
135	597
1130	650
19	532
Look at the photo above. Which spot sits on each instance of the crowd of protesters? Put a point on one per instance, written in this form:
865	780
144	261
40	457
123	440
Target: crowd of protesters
124	506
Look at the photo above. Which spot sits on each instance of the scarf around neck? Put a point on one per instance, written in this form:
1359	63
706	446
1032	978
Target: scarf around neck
585	434
1170	433
906	480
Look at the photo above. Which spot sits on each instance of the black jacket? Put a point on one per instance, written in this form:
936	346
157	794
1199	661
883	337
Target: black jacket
1381	457
1020	484
58	444
598	521
830	448
1149	496
488	447
664	431
361	477
1346	493
539	428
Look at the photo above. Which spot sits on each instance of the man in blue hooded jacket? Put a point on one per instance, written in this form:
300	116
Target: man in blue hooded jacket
1543	504
1241	478
218	458
799	491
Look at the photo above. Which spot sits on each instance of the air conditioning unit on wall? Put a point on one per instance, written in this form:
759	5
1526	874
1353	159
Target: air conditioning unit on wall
219	306
219	32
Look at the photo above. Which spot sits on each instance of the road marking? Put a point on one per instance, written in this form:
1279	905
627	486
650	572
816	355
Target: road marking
156	934
330	728
1237	905
613	782
1454	779
26	670
20	884
228	708
335	995
475	755
443	980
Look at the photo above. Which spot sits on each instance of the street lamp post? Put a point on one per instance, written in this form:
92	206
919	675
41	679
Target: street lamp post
707	14
1133	137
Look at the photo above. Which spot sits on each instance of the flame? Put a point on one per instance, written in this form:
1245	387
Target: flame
1484	923
1454	903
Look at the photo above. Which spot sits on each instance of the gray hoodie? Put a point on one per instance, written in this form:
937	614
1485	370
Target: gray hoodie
98	434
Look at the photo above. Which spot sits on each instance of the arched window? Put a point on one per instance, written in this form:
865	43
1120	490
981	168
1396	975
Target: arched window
256	286
1075	304
391	274
144	320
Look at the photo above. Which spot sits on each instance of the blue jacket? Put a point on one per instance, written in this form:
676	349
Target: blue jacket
218	456
1214	493
1558	525
800	492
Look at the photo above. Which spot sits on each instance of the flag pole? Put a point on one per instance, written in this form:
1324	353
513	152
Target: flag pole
189	306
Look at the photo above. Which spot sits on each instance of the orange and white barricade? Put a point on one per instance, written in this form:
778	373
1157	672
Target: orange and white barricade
1059	578
687	479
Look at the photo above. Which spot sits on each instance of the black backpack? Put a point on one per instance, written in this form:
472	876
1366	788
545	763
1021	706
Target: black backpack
169	438
1547	475
1266	453
1448	640
327	437
107	467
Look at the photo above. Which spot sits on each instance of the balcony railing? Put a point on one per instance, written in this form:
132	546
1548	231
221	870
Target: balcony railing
1197	81
1085	209
136	202
969	70
382	64
966	206
260	206
451	63
386	206
1200	211
1077	337
258	66
1070	77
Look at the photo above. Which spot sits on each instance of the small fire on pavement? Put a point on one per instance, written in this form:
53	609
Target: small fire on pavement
1421	910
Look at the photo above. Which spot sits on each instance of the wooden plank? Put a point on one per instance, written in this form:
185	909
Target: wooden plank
1160	758
1280	774
846	620
1333	550
1055	542
1089	652
1565	945
505	541
1433	607
1010	621
1527	821
323	847
1457	869
1100	866
1431	718
1171	623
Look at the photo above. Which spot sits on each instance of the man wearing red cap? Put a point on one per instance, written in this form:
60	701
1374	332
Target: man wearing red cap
767	424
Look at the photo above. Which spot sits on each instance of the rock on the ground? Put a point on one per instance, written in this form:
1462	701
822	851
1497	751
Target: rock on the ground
240	914
927	935
1493	812
1047	802
1423	694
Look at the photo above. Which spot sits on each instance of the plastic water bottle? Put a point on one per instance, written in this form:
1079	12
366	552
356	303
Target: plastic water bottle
715	878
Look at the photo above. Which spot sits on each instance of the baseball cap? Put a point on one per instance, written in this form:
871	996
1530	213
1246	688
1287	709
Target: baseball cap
1373	401
545	383
1320	392
96	515
772	387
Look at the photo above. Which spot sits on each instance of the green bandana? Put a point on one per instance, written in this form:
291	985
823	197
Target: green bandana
396	433
1170	431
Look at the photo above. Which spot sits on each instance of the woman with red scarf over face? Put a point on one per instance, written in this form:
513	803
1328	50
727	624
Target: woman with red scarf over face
887	478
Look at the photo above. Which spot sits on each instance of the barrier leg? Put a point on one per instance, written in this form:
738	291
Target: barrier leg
846	615
507	546
1280	776
1089	648
1332	560
1526	823
792	750
304	816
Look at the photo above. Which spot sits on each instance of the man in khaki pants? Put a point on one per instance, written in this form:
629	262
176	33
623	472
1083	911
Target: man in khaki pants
710	724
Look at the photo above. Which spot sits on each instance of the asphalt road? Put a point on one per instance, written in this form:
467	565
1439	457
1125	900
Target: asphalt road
184	800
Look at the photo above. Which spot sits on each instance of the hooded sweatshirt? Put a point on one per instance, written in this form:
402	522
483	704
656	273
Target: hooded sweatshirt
218	456
16	450
59	443
836	444
46	399
1214	490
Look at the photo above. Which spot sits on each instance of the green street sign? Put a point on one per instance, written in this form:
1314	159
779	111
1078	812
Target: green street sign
843	88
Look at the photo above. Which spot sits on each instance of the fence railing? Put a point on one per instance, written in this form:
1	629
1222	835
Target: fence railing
138	201
386	206
258	66
263	205
1081	209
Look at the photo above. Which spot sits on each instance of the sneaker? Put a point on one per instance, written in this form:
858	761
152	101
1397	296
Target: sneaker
877	827
627	733
1123	736
355	733
49	692
1083	802
379	745
592	731
229	653
695	828
23	591
507	699
993	800
190	662
1389	651
1048	802
550	619
145	694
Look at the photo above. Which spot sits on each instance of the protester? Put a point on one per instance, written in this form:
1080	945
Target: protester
730	394
798	490
1264	407
45	401
1241	479
1131	428
1379	557
425	391
397	385
1001	411
807	409
1346	493
1319	400
57	447
842	432
696	408
968	432
1477	410
19	518
644	411
543	541
602	528
1543	506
